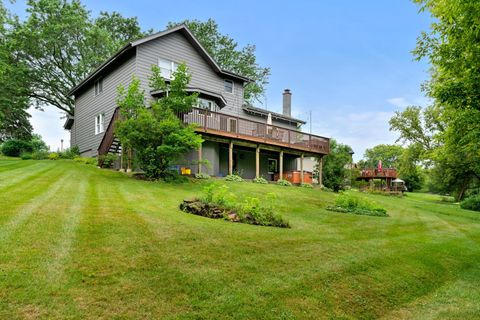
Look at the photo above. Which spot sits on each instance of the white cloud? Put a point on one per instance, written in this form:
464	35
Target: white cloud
360	130
49	124
399	102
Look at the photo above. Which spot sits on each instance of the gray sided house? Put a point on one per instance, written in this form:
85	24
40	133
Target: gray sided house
238	137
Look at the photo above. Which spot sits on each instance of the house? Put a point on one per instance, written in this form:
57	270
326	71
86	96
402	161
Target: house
238	137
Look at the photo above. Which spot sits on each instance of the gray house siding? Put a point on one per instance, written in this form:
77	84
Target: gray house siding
88	106
177	48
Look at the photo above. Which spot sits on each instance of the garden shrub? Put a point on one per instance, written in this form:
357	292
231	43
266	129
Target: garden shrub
172	176
53	156
108	160
284	183
471	203
349	203
202	175
15	147
260	180
306	185
69	153
234	178
40	155
26	156
251	210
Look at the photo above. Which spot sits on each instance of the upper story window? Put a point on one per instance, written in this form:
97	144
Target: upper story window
207	105
98	86
167	68
228	86
99	123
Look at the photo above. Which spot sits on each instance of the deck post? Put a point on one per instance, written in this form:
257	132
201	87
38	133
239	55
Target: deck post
230	158
301	168
129	160
281	165
200	158
320	171
121	161
257	162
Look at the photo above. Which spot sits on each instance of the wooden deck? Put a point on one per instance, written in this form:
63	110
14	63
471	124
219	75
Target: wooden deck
387	173
228	126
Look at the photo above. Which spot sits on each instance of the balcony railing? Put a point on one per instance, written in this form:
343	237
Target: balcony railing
375	173
241	128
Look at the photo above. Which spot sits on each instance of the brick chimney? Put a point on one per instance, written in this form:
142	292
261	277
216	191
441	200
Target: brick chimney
287	103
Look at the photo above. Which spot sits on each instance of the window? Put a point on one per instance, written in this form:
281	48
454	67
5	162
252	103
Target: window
207	104
272	166
98	86
167	68
99	123
228	85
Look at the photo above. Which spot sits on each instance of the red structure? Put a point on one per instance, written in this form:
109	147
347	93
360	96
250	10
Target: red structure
385	175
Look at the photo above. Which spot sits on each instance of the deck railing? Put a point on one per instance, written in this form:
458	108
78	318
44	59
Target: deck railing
233	126
374	173
109	136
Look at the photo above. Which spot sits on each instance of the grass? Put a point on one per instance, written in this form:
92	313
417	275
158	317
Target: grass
78	242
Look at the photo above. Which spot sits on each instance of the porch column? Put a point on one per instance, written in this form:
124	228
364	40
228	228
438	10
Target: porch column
301	168
200	159
129	160
257	162
281	165
230	158
320	171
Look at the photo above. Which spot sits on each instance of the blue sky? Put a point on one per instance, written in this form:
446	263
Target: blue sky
348	62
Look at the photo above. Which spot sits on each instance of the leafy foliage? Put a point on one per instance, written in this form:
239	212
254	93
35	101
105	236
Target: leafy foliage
334	172
107	160
306	185
234	178
15	147
260	180
226	53
471	203
284	183
14	100
251	210
389	154
448	130
156	134
349	203
55	57
202	175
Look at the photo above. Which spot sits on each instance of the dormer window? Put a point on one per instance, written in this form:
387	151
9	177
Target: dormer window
98	86
167	68
228	86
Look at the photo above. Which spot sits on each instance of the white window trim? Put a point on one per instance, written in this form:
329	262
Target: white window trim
96	86
173	67
233	86
99	123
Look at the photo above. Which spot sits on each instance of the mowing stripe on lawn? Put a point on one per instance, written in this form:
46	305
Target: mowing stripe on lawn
17	165
26	211
61	250
7	180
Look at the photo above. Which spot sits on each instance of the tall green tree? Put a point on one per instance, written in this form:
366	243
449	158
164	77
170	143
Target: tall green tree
155	133
388	154
61	44
335	174
448	130
229	56
14	84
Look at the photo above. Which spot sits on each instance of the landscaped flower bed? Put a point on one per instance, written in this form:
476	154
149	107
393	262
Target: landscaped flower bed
349	203
217	203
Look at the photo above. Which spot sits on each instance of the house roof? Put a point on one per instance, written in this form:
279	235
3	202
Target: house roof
277	116
129	46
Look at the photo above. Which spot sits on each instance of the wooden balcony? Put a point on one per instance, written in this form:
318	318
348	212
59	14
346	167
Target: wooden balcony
387	173
229	126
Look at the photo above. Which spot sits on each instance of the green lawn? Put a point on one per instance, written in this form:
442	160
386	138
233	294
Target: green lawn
80	242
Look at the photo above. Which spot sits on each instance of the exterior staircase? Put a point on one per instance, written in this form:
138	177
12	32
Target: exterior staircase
110	143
